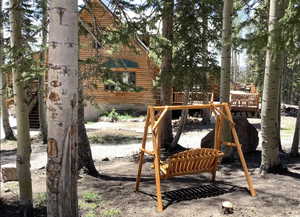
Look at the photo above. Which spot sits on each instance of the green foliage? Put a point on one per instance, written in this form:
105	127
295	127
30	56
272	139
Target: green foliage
89	203
113	115
197	26
91	197
92	205
24	57
40	200
90	214
111	213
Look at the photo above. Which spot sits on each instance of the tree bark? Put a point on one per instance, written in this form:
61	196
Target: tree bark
184	115
9	134
41	92
270	148
206	115
23	137
62	109
296	140
225	70
85	159
226	51
166	72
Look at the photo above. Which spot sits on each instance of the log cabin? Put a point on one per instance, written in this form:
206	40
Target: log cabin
130	65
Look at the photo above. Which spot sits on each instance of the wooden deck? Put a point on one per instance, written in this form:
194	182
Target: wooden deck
194	97
244	102
239	101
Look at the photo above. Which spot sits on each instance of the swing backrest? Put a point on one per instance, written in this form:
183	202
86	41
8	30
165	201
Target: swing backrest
192	161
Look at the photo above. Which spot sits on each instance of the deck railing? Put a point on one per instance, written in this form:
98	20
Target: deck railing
194	97
244	102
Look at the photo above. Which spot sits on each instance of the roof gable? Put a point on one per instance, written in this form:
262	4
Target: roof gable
107	18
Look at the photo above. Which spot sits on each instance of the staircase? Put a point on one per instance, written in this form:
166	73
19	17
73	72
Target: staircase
34	117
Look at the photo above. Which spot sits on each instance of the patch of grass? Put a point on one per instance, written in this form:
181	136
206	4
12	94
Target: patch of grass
83	205
40	199
114	116
91	197
90	214
113	139
111	213
89	204
92	205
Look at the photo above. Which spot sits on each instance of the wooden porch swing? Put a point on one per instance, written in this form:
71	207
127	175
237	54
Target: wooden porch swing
191	161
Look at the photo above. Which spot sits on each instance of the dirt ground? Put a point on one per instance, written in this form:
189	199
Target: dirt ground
112	194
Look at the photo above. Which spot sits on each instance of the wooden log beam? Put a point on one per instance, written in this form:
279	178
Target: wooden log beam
160	118
196	106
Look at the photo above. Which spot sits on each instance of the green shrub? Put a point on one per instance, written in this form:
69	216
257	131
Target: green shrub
91	197
40	199
113	115
111	213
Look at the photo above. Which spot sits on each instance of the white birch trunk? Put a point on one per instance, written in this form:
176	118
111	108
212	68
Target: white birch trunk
296	139
23	137
62	108
226	51
269	115
9	134
225	69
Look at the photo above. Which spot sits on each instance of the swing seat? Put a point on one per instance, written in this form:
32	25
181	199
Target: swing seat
190	162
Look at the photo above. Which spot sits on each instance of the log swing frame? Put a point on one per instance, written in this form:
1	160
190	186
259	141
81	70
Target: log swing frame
194	160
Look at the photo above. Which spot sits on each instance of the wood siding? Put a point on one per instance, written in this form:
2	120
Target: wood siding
144	74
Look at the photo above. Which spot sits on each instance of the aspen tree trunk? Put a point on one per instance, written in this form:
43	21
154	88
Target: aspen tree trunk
282	59
23	137
225	69
9	134
296	139
166	72
206	115
41	93
62	109
226	51
85	159
270	161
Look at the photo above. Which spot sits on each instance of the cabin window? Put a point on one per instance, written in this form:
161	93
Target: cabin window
120	81
120	63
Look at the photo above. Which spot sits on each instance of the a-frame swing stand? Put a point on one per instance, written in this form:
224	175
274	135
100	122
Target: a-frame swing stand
194	160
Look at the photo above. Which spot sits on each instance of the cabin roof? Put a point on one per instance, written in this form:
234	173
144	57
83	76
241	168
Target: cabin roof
137	39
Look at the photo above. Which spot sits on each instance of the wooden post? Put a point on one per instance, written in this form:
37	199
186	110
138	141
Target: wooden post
218	136
141	161
156	148
241	155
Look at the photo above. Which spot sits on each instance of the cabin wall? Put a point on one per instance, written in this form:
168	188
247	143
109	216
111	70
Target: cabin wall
104	100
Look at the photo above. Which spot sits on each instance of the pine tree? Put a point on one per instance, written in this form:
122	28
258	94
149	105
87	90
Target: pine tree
166	70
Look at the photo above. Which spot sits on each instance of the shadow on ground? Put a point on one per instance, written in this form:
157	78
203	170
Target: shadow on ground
13	210
196	192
